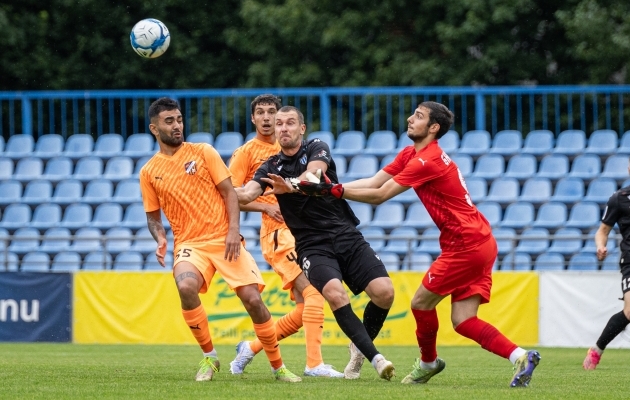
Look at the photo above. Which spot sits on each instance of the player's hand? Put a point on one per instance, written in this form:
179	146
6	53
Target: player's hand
602	252
273	210
323	188
160	253
279	185
232	246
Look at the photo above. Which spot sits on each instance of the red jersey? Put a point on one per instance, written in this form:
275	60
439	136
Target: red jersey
441	187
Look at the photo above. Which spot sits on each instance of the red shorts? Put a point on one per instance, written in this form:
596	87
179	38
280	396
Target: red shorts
464	273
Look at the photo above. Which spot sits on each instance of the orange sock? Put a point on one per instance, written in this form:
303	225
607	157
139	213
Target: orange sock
197	321
286	326
313	320
266	333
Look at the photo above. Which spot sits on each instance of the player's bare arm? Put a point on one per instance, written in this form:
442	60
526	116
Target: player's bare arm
248	193
601	239
156	228
374	195
373	182
233	238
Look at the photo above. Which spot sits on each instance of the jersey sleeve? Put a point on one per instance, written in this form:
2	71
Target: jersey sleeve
397	165
611	212
318	150
150	199
218	171
239	167
418	171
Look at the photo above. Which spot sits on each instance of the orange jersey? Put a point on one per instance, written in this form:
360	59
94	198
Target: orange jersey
184	187
244	163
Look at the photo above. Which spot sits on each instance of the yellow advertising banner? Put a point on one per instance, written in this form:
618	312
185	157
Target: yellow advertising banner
144	307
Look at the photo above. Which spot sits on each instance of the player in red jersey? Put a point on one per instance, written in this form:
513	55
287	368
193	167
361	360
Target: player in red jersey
464	269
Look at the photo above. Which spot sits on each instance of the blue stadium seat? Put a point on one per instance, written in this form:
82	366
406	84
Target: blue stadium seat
49	146
506	239
566	241
568	190
67	192
98	191
381	143
390	260
503	190
250	235
341	165
107	215
402	240
549	261
151	263
78	146
86	240
128	261
589	244
464	162
361	166
88	168
519	215
135	217
56	240
375	237
260	259
570	143
489	166
127	192
533	241
139	145
417	261
250	136
35	261
624	144
586	166
554	167
516	262
385	161
475	143
430	241
97	261
46	215
583	262
404	141
611	262
600	190
9	262
388	215
143	242
15	216
418	217
536	190
2	143
252	219
349	143
118	168
4	241
19	146
507	143
449	142
521	167
28	169
551	216
491	211
10	192
118	240
76	216
584	215
6	168
138	166
25	239
200	137
66	261
108	145
58	169
538	143
362	211
616	167
37	192
477	189
324	136
226	142
602	142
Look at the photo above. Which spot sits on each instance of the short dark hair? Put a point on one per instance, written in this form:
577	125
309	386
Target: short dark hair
266	99
439	114
162	104
286	109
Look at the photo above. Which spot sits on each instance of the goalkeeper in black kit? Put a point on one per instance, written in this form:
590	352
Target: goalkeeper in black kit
330	248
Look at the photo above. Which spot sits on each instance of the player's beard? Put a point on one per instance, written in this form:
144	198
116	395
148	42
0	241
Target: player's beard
418	136
291	144
170	141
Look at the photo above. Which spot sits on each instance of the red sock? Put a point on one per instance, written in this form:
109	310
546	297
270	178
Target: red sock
427	325
487	336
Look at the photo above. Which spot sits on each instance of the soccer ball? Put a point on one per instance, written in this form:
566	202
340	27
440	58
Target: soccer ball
150	38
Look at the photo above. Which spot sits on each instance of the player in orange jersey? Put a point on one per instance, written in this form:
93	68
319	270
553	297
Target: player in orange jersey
190	183
278	247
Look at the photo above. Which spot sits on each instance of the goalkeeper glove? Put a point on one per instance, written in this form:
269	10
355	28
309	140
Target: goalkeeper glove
325	188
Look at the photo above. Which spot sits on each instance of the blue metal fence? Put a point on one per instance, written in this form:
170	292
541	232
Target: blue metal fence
367	109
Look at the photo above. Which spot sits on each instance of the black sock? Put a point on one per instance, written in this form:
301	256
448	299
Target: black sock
373	319
615	325
351	325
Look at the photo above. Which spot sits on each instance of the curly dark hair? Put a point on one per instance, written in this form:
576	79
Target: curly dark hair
162	104
266	99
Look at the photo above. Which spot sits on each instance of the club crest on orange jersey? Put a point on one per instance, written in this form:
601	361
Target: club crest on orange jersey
191	167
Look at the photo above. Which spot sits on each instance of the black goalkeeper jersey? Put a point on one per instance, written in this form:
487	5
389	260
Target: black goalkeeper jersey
618	211
310	219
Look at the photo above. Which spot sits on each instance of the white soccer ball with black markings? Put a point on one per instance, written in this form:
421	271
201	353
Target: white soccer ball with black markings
150	38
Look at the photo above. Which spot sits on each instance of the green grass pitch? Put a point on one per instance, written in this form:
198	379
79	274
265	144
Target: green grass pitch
70	371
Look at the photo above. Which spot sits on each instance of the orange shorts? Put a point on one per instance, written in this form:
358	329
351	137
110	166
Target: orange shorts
278	248
464	273
208	258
